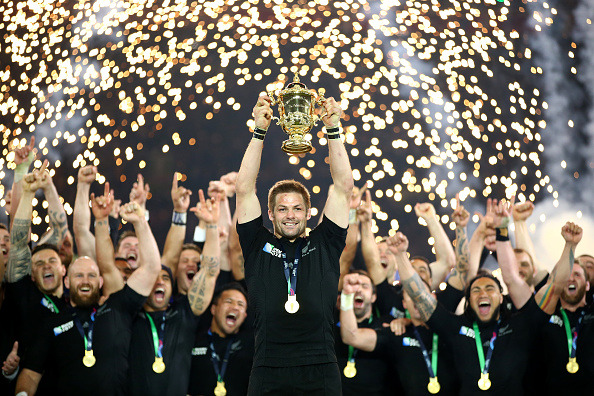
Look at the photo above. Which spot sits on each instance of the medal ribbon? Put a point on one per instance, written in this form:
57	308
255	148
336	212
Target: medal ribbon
157	336
291	273
88	337
485	363
214	357
572	339
50	301
431	364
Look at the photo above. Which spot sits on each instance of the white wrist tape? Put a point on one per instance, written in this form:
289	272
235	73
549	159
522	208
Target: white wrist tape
347	301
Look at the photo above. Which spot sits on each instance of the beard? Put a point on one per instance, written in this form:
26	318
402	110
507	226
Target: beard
85	301
574	298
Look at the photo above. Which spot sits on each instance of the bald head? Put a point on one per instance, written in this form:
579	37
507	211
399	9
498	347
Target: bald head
84	282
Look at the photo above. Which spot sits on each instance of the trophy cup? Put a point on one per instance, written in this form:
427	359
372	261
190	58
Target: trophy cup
296	107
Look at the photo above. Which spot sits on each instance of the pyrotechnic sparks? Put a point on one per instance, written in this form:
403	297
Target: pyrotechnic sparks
439	96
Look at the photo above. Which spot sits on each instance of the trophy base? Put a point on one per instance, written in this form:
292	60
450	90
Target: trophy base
296	146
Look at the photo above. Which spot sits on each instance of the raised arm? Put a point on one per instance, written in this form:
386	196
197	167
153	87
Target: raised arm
203	284
548	296
55	210
460	274
369	248
518	289
236	259
217	191
81	222
445	258
23	157
180	197
363	339
337	205
142	279
521	212
247	204
411	281
102	207
19	256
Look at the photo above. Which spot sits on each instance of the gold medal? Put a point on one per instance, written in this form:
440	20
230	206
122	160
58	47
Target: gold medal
572	366
158	365
350	371
220	389
433	386
89	360
292	306
484	383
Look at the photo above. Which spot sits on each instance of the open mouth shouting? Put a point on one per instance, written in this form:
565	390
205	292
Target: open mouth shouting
159	294
190	275
132	259
231	319
85	290
359	301
48	277
484	307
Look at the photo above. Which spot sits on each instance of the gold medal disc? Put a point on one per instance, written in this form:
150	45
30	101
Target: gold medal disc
220	389
158	365
484	383
292	306
89	360
350	371
572	366
433	386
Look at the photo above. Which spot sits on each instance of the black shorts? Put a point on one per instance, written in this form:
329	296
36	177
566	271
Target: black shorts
311	380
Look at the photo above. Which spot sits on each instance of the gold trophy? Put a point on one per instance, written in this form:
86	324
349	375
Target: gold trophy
296	106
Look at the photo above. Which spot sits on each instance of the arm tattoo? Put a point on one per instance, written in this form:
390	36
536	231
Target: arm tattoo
197	292
212	264
60	224
19	257
460	271
417	290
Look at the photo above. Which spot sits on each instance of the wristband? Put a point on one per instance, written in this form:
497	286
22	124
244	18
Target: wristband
352	216
332	130
179	219
199	234
146	215
333	135
501	234
23	393
347	301
259	133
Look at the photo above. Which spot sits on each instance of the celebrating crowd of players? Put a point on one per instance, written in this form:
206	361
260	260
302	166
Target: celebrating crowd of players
360	316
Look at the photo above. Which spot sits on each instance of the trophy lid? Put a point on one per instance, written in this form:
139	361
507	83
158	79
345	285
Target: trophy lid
295	83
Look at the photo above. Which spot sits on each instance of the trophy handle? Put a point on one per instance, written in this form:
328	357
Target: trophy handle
272	98
320	102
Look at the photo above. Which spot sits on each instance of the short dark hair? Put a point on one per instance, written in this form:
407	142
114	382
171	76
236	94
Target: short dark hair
426	260
365	273
288	186
228	286
479	275
191	246
124	235
45	246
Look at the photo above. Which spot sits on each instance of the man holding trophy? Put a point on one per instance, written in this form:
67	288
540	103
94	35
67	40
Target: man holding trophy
293	278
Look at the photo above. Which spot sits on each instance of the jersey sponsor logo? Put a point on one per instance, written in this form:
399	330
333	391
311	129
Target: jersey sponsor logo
396	313
63	328
467	331
199	351
102	310
48	305
409	341
504	330
236	346
556	320
269	248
